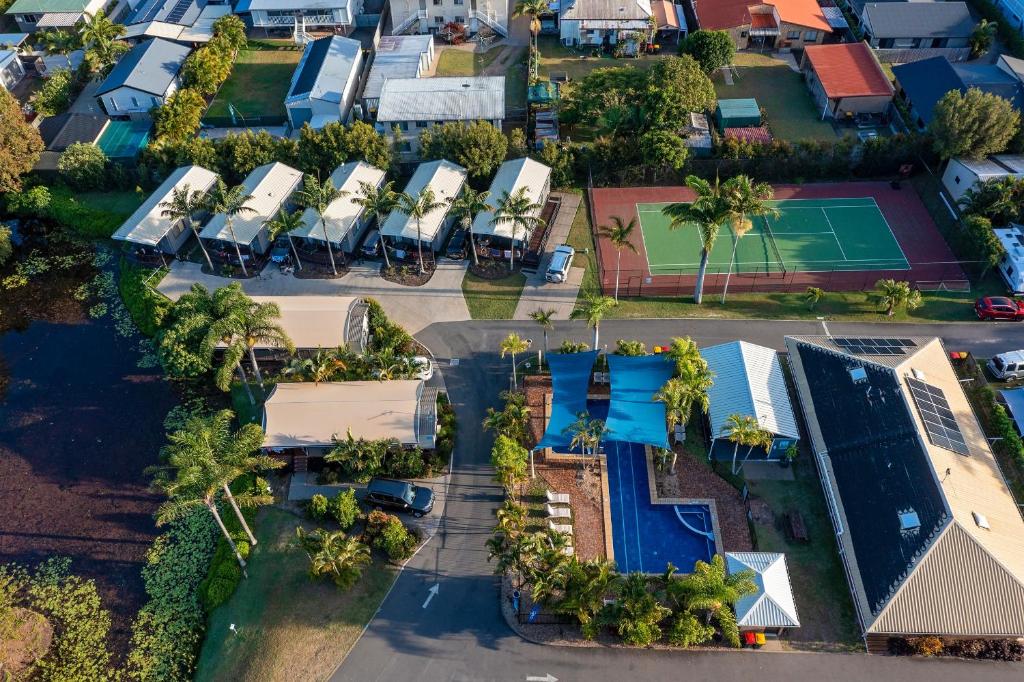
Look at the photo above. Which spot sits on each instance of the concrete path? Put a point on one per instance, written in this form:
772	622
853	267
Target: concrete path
538	293
439	300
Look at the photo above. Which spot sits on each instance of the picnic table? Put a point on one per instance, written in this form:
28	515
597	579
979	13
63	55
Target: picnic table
796	527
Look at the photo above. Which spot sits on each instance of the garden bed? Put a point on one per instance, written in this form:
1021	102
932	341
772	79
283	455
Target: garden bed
407	275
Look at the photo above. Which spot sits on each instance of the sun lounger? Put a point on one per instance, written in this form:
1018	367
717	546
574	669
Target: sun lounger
560	527
568	551
557	498
557	512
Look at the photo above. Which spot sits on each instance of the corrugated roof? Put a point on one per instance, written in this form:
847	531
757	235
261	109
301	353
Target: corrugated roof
772	606
665	14
919	19
327	67
47	6
180	12
442	99
146	225
848	70
343	212
312	321
58	19
749	381
250	5
396	57
61	131
446	180
607	9
150	66
726	14
512	175
12	39
270	186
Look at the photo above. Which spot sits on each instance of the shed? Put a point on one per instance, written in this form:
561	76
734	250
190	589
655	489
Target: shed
772	608
737	113
11	69
963	174
148	227
846	79
1014	400
324	84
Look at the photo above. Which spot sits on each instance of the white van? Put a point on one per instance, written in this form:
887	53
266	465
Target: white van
561	261
1007	366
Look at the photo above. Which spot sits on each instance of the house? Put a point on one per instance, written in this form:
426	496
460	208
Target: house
143	78
148	229
771	608
778	24
916	25
270	187
298	16
846	80
446	180
599	22
417	16
324	84
318	322
413	105
11	69
1013	11
43	14
1011	263
396	57
669	21
749	382
61	131
921	84
930	537
15	41
344	218
513	176
963	174
185	21
304	419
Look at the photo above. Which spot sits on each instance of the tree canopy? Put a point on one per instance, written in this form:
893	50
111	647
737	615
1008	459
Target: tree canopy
711	49
20	144
478	147
973	124
178	118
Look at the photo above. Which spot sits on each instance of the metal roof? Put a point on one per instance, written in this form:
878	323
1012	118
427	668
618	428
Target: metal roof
201	31
343	212
446	180
270	187
312	322
397	57
772	606
150	66
442	99
12	39
327	67
749	381
47	6
250	5
919	19
146	225
58	19
512	175
180	12
621	10
60	131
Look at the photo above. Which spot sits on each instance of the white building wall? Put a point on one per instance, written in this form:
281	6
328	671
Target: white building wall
11	72
441	12
125	100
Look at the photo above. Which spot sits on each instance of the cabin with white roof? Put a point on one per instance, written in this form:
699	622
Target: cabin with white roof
344	219
515	175
446	179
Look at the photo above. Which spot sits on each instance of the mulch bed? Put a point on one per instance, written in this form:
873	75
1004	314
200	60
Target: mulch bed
492	269
317	271
407	275
536	388
585	502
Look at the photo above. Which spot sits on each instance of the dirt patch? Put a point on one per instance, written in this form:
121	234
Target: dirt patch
492	269
408	275
26	637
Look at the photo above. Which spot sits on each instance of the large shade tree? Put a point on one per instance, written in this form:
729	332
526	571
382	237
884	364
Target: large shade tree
974	124
20	144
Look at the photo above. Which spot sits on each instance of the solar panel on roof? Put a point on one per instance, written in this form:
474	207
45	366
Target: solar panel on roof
859	346
179	11
939	420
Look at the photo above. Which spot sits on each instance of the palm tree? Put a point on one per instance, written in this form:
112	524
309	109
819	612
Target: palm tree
334	554
545	318
711	589
319	196
745	430
322	366
513	420
745	200
893	294
225	306
99	37
520	211
680	395
706	214
587	585
467	205
619	235
259	326
511	518
982	37
533	10
229	201
586	434
184	205
55	41
812	296
418	207
377	202
513	344
593	309
639	613
285	223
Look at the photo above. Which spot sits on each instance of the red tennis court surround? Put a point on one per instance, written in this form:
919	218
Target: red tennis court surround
932	264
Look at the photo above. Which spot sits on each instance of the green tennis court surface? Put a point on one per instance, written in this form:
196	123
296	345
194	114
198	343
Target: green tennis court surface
808	235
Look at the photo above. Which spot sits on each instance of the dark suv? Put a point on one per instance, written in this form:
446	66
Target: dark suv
400	495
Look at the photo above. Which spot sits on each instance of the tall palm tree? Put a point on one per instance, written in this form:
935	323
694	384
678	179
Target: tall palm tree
893	295
333	554
230	201
619	235
586	433
706	214
520	211
713	590
747	431
322	366
55	41
285	223
419	207
545	318
513	420
183	205
99	37
513	344
319	196
467	205
225	306
593	309
259	325
377	202
746	199
680	395
533	10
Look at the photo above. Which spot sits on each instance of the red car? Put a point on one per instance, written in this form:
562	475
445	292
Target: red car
999	308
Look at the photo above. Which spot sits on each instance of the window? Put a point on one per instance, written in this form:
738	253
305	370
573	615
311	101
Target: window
460	2
135	102
437	2
460	20
439	20
810	36
422	124
403	126
29	18
743	34
405	147
155	101
1009	271
956	179
793	35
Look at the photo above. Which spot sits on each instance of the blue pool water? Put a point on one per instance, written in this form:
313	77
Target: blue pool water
646	537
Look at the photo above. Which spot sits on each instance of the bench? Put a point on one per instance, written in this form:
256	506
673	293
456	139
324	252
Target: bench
796	527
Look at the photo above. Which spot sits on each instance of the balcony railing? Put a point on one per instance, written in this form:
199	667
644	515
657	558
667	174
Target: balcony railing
290	20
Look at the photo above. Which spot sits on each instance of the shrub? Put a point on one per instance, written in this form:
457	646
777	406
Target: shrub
6	247
31	202
316	508
345	508
223	576
55	95
178	118
926	646
375	522
146	306
83	166
404	463
396	540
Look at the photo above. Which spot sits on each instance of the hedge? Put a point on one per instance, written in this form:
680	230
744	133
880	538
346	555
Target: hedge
147	307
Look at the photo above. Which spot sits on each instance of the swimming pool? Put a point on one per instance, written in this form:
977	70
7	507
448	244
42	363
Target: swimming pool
645	536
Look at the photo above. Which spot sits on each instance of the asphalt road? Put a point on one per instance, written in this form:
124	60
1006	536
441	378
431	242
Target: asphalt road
460	634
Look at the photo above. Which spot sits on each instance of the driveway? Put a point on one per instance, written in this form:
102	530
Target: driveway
439	300
539	293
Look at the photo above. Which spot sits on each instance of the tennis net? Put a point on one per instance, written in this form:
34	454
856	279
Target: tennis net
775	247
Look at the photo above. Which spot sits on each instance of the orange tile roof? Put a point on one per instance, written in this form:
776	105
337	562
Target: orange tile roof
763	21
848	70
665	14
726	14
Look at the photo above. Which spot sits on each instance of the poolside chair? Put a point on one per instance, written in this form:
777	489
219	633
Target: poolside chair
557	498
557	512
560	527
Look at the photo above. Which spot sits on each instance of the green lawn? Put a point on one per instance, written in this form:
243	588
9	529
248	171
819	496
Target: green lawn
492	299
259	79
516	82
288	627
780	92
122	202
456	62
555	57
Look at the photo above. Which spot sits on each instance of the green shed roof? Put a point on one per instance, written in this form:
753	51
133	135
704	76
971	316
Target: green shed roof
543	92
46	6
732	108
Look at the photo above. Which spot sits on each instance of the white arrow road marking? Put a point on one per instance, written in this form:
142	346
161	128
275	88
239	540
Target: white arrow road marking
547	678
432	593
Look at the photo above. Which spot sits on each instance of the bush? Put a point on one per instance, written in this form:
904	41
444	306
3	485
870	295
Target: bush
179	116
83	166
404	463
396	540
146	306
223	576
6	247
55	95
345	508
317	507
384	333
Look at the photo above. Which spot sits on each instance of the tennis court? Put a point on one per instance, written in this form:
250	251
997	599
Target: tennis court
807	235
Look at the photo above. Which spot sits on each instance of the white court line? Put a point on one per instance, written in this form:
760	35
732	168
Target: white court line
834	235
891	233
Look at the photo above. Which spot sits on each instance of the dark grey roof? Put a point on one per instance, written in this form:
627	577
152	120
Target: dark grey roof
59	132
150	66
927	80
919	19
